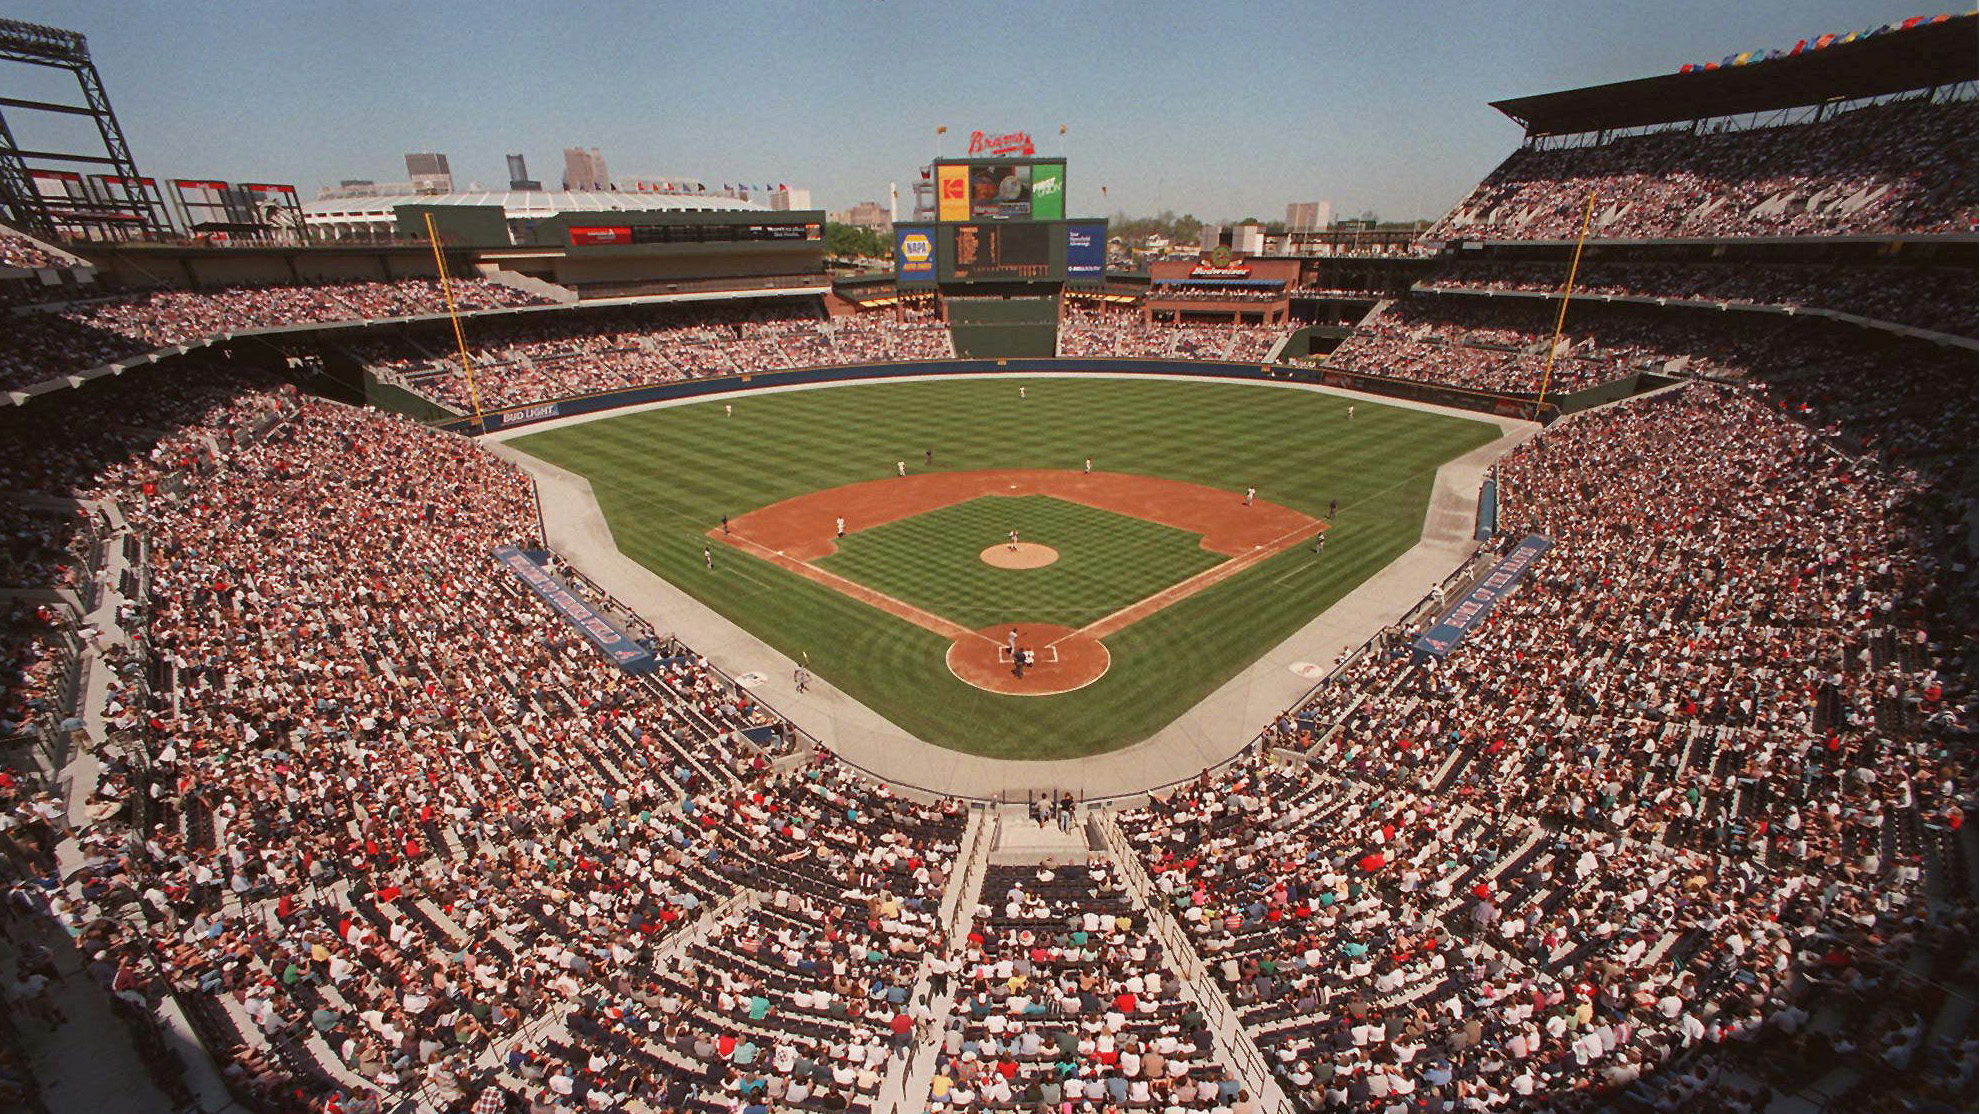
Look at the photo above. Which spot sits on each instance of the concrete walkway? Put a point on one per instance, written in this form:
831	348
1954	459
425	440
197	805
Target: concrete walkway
1216	728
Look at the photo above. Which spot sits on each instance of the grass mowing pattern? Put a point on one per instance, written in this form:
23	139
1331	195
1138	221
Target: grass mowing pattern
1106	561
664	477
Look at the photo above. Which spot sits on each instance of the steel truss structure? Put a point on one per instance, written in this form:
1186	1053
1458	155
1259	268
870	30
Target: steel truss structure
38	191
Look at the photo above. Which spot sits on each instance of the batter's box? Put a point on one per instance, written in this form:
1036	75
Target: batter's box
1048	656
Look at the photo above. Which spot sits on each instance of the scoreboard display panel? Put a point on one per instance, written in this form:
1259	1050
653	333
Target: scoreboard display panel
1001	251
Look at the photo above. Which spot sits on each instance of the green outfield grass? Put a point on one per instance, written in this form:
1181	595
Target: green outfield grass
664	477
1106	561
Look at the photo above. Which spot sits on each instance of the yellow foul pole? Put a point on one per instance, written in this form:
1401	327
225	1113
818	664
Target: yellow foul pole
454	315
1560	321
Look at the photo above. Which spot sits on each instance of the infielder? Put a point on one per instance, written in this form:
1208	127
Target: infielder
900	468
708	558
1250	493
842	527
1089	466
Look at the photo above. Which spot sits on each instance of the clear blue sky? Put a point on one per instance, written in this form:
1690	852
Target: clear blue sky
1223	110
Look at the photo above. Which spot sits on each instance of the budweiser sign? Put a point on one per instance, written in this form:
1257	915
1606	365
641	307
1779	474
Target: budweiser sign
1205	271
1010	143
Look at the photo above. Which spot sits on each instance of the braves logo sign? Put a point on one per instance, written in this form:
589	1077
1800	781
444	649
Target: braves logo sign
1009	143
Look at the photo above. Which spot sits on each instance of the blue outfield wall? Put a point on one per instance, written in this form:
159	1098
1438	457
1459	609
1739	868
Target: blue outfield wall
515	416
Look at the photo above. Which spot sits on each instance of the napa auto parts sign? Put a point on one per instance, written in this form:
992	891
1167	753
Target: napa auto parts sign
1009	143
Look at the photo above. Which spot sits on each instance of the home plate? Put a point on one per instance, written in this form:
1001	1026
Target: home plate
750	680
1307	670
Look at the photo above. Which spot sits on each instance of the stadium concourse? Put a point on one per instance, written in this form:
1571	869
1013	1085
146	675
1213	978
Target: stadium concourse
333	814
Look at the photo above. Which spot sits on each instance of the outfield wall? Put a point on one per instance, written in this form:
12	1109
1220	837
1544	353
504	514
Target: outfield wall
516	416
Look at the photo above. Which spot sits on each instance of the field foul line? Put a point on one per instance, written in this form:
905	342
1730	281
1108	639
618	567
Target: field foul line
926	620
1176	593
1292	572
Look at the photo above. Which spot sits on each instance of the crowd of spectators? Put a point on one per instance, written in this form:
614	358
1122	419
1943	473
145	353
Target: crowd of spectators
1702	775
1486	345
549	358
1063	1002
1936	298
44	342
17	251
1121	331
1901	167
395	813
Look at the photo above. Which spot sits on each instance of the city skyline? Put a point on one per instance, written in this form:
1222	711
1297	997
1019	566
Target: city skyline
1375	107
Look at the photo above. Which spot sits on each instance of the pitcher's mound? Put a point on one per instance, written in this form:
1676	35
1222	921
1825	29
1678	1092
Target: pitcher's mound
1027	555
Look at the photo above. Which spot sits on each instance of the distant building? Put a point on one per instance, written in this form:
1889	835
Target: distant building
1244	239
585	170
1309	216
429	173
788	199
519	178
866	214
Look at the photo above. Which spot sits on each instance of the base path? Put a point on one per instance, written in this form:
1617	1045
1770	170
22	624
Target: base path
805	528
1062	660
794	533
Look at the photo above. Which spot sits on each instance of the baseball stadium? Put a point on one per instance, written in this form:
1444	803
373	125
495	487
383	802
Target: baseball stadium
620	648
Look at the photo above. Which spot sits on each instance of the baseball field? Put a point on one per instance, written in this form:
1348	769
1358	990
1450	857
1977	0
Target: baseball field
1138	584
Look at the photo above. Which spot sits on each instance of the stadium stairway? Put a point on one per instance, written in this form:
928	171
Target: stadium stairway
1235	1045
905	1089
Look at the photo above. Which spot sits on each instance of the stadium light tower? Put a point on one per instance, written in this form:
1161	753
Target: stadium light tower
35	192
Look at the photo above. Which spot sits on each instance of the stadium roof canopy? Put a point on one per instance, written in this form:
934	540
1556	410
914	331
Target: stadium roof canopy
533	203
1893	62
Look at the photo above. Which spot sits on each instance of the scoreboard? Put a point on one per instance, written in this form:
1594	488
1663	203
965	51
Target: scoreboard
1000	219
1021	251
999	251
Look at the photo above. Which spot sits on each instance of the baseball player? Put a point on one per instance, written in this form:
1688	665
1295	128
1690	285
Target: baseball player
1319	542
725	524
1013	642
1350	413
1020	392
900	468
1089	466
928	457
842	527
708	558
1250	493
1013	545
728	410
1332	506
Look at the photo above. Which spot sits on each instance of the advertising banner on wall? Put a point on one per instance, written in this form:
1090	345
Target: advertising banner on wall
952	193
914	254
1048	191
1086	250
